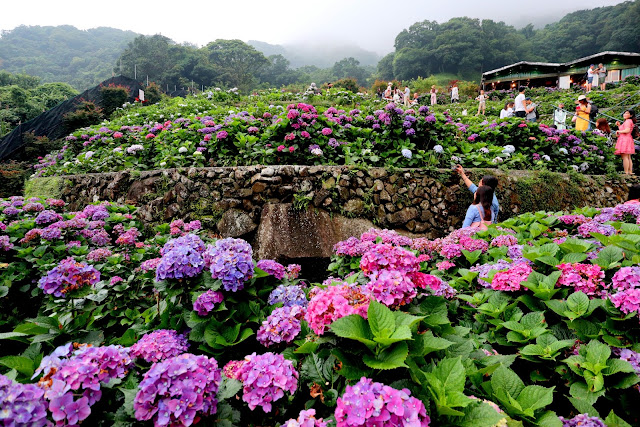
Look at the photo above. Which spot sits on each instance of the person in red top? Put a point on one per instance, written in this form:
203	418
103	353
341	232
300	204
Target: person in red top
625	146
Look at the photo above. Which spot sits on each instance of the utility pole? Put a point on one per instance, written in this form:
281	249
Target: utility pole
135	72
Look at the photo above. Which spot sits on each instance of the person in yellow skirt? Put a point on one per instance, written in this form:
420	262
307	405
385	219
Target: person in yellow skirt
582	112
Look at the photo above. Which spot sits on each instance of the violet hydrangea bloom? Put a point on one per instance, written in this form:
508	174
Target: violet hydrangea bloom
22	404
178	390
159	345
272	268
306	419
231	262
181	258
68	276
47	217
282	325
265	378
369	403
288	296
5	244
582	420
626	278
206	302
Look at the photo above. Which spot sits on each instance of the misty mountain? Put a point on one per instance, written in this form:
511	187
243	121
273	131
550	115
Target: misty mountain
319	55
82	58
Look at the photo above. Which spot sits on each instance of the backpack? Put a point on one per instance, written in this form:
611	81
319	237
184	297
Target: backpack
482	225
594	111
536	113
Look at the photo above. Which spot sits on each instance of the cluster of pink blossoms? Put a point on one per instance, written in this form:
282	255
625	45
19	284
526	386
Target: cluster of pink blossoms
504	240
159	345
392	288
385	256
306	419
334	302
626	282
282	325
582	277
511	279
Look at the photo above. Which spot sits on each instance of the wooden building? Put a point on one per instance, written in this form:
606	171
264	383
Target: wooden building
620	65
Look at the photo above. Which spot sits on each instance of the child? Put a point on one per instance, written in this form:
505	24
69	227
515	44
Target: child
482	105
560	117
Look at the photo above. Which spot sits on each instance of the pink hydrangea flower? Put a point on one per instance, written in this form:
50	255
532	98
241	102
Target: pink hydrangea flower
511	279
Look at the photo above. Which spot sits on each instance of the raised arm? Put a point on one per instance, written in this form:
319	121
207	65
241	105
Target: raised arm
464	176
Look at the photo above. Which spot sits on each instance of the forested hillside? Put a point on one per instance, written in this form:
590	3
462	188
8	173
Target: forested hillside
466	46
63	53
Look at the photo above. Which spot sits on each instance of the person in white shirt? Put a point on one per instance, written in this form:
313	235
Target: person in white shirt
507	111
590	72
519	104
602	75
454	94
407	92
560	117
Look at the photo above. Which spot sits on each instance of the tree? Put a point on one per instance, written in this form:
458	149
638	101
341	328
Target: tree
237	62
385	67
350	68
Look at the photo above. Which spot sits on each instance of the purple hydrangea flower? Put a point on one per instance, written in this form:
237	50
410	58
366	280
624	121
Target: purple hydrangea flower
582	420
22	404
159	345
47	217
288	296
282	325
265	378
230	261
68	276
181	258
177	390
272	267
206	301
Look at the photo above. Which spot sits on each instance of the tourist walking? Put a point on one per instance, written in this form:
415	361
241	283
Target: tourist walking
583	110
560	117
482	104
625	146
479	214
407	99
434	95
489	180
455	97
518	103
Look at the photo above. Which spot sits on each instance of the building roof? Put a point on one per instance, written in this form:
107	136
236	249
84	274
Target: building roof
560	64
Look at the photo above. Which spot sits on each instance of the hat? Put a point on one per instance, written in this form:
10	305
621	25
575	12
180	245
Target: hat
527	99
581	97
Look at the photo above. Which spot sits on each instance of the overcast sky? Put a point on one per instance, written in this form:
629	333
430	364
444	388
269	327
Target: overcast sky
371	24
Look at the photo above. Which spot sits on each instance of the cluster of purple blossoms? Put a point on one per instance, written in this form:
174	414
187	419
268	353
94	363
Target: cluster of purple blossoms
47	217
99	254
159	345
451	251
306	419
587	228
230	261
470	244
68	276
265	378
22	404
504	240
483	270
178	390
66	373
5	244
288	296
369	403
150	264
129	237
272	268
206	302
626	282
582	420
282	325
181	258
96	212
351	247
293	271
33	207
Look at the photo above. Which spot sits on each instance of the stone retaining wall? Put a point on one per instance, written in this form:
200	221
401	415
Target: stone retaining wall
304	210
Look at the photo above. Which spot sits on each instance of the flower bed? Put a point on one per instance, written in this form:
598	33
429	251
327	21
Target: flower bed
535	320
202	132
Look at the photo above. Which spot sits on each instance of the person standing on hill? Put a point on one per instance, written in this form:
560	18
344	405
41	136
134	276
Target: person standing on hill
560	117
590	72
518	103
602	75
407	99
454	93
434	95
482	103
625	146
582	112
